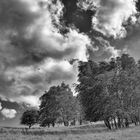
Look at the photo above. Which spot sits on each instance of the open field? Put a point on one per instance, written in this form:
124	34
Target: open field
87	132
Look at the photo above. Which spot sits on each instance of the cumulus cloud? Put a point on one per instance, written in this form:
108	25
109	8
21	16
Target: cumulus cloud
112	15
30	36
9	113
31	82
111	21
33	53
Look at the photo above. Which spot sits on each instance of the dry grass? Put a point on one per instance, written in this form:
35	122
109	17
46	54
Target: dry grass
88	132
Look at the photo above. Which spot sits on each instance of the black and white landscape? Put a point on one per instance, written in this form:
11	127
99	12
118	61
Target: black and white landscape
70	68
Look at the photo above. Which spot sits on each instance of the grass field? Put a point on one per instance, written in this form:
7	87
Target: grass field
87	132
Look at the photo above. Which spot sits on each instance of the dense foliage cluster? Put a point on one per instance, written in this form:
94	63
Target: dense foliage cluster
109	91
29	117
58	105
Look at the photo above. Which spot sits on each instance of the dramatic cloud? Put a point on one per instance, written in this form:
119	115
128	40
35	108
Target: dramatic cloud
31	82
111	20
32	36
111	15
33	53
35	49
9	113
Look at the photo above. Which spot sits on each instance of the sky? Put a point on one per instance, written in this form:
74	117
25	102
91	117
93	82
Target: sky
39	38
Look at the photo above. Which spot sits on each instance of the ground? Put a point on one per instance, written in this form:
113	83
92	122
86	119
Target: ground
86	132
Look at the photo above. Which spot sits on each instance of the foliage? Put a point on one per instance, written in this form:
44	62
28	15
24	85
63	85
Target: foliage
29	117
57	105
110	90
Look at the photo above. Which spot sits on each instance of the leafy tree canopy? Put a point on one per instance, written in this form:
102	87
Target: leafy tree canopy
29	117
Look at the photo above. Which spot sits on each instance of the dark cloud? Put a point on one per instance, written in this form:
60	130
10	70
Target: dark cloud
33	51
16	15
34	79
5	83
10	105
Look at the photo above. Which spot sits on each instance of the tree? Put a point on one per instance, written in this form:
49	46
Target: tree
109	91
29	117
67	104
57	105
49	110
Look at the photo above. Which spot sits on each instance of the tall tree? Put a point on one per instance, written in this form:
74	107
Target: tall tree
57	105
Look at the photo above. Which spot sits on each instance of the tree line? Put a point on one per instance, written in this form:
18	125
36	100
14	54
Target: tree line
57	105
108	91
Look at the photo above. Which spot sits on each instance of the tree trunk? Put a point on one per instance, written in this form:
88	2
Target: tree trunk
30	126
119	122
80	121
112	124
53	124
126	122
107	123
115	123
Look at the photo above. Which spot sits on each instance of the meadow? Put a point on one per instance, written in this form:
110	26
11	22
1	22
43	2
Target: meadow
85	132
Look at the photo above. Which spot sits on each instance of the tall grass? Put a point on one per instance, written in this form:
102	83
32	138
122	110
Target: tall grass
87	132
